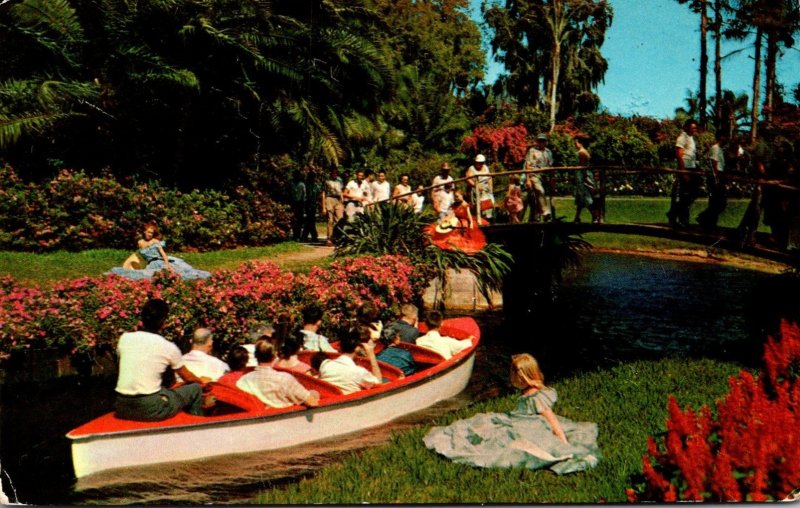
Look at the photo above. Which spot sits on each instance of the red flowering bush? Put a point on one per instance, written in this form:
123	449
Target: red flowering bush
75	212
507	144
86	316
746	453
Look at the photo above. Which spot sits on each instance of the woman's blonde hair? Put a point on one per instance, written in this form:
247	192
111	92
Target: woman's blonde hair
525	372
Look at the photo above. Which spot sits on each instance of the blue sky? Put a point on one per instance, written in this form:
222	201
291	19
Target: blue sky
652	50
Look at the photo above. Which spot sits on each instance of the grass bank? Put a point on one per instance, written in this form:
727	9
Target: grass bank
44	270
627	402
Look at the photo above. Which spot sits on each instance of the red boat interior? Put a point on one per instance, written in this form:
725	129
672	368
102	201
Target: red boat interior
232	403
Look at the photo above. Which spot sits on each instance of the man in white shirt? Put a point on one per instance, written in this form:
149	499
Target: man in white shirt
685	186
356	194
200	360
433	340
260	331
274	388
481	186
715	183
312	320
381	189
343	371
440	192
144	357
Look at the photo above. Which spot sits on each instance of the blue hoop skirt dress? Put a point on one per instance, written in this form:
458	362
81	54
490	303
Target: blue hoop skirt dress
155	263
519	438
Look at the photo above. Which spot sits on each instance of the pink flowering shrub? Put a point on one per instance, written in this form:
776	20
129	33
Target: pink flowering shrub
506	144
86	316
748	452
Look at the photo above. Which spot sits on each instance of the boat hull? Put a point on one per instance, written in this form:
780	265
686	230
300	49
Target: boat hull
199	437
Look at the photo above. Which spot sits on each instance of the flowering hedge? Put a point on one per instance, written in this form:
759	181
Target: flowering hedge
748	452
86	316
76	212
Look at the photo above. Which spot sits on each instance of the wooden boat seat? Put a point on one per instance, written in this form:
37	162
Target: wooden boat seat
422	355
389	372
236	397
324	388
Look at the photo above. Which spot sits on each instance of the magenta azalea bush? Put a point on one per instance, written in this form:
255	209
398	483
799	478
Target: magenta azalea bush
86	316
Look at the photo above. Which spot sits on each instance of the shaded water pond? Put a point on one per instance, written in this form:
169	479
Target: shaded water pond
614	308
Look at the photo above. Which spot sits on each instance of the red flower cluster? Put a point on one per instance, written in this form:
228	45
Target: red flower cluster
748	452
507	144
88	315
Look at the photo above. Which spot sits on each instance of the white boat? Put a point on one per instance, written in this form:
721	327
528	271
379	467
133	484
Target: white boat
242	423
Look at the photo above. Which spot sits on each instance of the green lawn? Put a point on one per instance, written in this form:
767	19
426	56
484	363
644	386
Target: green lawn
627	402
46	269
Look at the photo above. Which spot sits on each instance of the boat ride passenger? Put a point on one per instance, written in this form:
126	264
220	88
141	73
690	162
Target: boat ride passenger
312	320
368	316
144	356
287	355
200	360
259	331
237	359
397	356
274	388
433	340
406	324
343	371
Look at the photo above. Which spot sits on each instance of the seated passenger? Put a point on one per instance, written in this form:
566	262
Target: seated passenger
368	316
144	357
259	331
343	371
274	388
433	340
312	319
200	360
288	355
406	325
237	359
394	355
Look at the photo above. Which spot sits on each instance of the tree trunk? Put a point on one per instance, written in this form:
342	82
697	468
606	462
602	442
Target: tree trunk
770	62
702	105
554	83
756	87
718	63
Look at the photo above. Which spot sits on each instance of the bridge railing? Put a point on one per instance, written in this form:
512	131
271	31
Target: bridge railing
748	224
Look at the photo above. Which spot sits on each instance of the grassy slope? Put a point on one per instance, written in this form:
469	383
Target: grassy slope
628	403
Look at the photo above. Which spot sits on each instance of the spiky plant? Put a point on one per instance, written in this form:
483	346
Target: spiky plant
396	229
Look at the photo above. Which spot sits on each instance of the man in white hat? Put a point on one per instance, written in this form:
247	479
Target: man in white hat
480	187
538	156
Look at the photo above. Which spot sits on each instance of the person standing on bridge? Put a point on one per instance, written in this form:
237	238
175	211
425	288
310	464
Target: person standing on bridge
715	183
585	185
481	187
686	186
538	157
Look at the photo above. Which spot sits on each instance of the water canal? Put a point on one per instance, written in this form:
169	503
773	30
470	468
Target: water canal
614	308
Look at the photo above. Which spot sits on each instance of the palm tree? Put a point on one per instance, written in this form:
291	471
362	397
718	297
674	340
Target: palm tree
43	86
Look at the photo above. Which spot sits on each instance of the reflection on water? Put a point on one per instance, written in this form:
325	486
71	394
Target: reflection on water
612	309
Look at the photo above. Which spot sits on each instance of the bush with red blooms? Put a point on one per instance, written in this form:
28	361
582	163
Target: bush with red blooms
747	452
506	144
86	316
